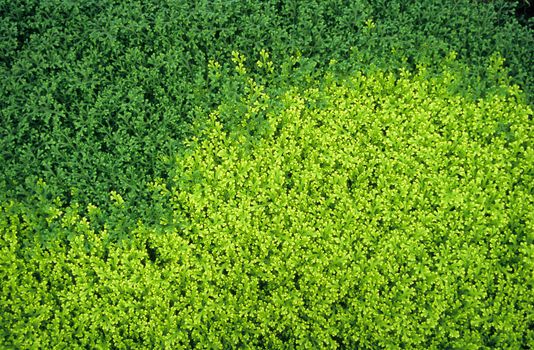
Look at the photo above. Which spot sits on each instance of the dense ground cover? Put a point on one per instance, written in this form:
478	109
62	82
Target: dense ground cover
266	174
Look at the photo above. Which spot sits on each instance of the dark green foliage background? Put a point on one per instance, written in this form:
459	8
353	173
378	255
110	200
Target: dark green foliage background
98	97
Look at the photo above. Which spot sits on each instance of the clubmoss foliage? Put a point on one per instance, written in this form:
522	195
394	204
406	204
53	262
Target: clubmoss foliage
380	210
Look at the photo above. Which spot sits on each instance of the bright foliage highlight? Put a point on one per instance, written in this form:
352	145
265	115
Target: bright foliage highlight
378	210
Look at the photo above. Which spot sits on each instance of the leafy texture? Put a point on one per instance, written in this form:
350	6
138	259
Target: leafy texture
265	174
381	210
94	94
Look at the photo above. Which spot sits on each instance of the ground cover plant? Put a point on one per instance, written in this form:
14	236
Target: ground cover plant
89	88
334	174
